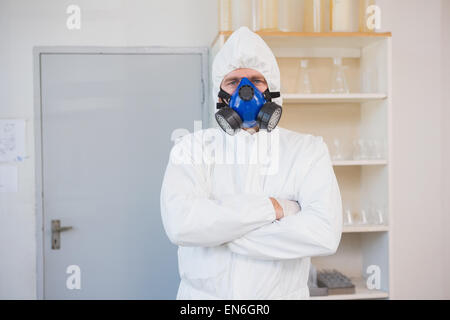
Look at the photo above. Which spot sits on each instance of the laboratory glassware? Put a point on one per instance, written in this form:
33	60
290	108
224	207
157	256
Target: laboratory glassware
348	219
337	155
363	217
338	80
360	151
304	80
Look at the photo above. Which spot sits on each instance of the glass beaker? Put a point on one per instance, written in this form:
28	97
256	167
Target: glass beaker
360	151
337	155
339	81
363	217
303	80
348	218
225	15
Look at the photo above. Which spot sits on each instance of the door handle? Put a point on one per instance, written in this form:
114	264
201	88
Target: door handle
56	231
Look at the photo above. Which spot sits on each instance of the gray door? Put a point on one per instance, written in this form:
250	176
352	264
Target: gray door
106	124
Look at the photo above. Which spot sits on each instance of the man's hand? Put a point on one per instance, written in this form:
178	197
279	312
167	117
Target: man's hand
285	207
278	209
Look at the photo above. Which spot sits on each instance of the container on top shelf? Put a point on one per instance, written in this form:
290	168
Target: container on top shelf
315	16
343	15
225	23
268	11
242	14
290	15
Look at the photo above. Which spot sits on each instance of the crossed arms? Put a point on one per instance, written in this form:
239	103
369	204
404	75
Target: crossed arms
247	223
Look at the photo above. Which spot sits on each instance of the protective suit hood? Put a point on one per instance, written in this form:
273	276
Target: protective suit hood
246	49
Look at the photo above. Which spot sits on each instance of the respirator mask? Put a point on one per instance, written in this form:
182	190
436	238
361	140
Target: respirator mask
247	107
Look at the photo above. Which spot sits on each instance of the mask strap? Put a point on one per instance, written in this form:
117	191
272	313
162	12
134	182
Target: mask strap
225	97
220	105
271	95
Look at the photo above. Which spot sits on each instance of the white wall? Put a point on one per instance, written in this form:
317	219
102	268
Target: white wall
421	119
446	135
420	240
24	24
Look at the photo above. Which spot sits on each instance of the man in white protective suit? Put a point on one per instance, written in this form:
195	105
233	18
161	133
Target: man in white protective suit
246	228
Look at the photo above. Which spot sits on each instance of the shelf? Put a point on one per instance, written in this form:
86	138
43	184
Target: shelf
332	97
316	34
338	163
293	44
361	292
366	228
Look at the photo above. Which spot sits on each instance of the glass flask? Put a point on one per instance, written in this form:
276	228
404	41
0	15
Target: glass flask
348	219
360	150
339	82
363	218
303	80
337	155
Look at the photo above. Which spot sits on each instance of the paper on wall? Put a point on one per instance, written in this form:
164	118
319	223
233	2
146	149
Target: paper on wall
12	139
8	179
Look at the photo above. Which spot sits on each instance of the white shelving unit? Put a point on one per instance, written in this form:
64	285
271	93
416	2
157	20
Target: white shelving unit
348	117
376	162
361	292
297	98
365	228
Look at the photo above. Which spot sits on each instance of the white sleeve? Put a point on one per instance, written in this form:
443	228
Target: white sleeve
314	231
191	218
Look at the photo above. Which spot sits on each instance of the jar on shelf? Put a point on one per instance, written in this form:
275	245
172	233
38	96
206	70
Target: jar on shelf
314	15
290	15
268	15
242	14
343	16
225	15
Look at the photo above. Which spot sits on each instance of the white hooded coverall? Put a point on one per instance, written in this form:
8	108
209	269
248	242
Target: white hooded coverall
230	244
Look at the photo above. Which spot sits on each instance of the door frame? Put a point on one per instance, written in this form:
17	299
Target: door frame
203	52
